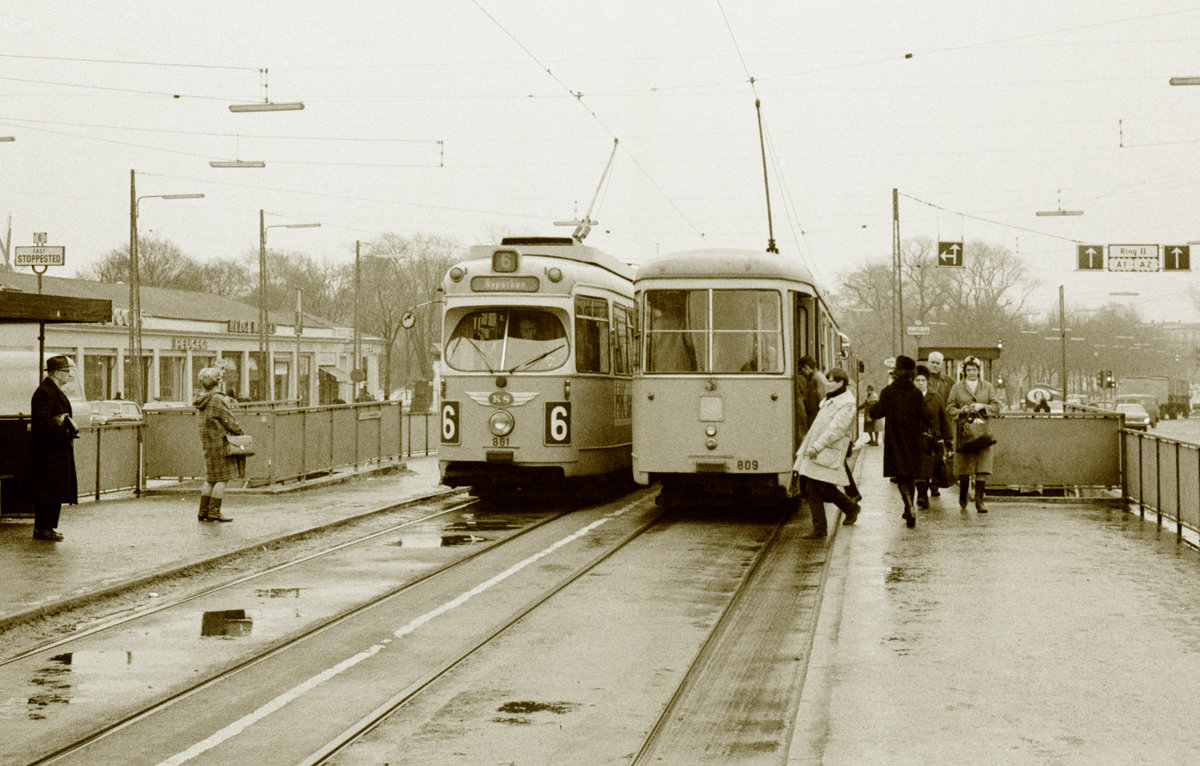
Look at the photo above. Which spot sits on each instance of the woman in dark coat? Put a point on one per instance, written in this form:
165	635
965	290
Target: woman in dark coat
907	420
50	471
216	421
940	429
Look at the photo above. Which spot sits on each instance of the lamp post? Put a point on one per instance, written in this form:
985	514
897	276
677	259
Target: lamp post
264	344
135	287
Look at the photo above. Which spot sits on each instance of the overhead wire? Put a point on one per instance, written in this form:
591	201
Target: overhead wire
989	220
578	95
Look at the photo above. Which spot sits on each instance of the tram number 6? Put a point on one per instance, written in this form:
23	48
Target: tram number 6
558	422
450	423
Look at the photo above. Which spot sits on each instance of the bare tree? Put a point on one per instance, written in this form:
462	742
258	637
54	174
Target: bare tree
160	264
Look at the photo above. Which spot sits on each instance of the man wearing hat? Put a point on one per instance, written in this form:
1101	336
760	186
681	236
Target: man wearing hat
50	472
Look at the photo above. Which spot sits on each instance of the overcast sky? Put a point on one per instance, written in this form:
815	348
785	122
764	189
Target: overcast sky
477	119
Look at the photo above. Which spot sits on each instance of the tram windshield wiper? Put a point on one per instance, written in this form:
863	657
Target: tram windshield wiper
537	358
475	346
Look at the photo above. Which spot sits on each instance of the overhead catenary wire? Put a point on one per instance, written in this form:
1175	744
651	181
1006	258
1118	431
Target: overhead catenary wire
578	95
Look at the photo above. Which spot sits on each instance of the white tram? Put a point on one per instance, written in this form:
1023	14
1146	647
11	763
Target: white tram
714	402
538	356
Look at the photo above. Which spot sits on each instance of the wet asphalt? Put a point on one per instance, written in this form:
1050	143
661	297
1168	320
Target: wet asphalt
1040	632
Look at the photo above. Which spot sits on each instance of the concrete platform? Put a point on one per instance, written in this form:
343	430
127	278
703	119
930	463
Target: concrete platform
122	540
1038	633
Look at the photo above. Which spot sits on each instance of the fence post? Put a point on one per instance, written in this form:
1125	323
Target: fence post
97	488
1158	482
1178	500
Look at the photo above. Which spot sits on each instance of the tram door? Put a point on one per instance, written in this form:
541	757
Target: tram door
803	311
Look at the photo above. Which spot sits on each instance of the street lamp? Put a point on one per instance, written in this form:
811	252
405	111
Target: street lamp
264	344
135	287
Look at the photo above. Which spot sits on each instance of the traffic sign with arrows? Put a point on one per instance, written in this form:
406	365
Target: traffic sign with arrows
1177	258
1089	257
950	254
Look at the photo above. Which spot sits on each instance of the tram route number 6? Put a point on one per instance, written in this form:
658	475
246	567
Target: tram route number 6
558	423
450	423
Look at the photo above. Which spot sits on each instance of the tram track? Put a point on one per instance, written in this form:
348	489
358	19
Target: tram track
124	623
455	505
80	749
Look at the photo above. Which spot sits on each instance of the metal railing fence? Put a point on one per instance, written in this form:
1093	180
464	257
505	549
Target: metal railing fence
1162	475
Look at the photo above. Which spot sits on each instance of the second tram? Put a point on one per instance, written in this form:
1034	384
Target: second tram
715	400
538	356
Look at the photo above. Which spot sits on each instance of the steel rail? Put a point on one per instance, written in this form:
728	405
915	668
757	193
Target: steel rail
705	653
378	716
279	648
171	603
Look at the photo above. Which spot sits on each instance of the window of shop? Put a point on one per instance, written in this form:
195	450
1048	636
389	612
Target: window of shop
171	383
144	374
98	369
305	380
283	369
258	389
232	365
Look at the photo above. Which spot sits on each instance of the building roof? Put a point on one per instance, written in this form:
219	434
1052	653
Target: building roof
156	301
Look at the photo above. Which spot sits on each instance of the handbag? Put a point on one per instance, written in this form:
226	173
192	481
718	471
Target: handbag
975	435
943	470
239	445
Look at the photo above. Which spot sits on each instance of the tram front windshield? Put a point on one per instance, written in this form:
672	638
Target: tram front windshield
713	331
507	340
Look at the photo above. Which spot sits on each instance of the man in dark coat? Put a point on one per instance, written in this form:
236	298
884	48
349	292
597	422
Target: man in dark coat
903	438
50	471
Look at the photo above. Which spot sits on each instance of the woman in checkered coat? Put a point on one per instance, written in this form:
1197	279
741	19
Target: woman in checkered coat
216	420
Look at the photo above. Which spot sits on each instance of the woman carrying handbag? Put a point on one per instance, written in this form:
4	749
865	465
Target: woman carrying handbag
216	422
972	399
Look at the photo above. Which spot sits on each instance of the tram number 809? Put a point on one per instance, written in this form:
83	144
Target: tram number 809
747	465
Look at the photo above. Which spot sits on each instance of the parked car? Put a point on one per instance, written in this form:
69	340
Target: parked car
1135	414
115	411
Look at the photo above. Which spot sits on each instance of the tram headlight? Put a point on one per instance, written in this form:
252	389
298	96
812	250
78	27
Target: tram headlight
554	273
710	444
501	423
710	431
457	273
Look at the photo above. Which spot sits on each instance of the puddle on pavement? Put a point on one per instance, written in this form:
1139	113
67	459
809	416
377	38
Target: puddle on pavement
435	540
519	711
227	623
278	592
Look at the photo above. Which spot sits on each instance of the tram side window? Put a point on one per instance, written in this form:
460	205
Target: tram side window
746	331
622	340
591	334
675	322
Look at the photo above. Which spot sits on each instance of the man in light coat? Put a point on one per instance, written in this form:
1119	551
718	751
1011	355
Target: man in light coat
822	455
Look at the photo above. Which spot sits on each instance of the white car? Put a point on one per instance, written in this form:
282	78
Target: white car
1135	414
115	411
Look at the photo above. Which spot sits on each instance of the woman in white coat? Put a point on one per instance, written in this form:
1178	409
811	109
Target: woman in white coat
821	459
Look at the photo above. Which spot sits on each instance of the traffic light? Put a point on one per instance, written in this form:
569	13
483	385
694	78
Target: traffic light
1109	380
1100	379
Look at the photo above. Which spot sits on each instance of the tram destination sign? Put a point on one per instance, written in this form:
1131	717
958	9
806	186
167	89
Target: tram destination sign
1133	258
40	255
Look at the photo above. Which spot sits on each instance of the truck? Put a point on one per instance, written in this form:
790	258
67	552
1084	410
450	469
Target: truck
1173	395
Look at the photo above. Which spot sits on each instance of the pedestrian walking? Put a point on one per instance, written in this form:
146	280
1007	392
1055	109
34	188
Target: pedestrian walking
821	459
940	431
970	398
216	422
50	477
870	425
904	439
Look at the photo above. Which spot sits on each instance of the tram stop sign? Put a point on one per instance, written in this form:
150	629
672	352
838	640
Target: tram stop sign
357	375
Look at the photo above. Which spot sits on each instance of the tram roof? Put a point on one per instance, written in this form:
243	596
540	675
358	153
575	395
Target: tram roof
725	263
556	247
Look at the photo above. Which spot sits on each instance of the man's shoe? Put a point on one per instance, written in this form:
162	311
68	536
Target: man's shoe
816	535
911	521
47	534
979	508
922	502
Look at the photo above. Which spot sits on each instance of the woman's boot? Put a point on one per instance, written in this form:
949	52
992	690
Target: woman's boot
203	515
964	485
979	488
214	510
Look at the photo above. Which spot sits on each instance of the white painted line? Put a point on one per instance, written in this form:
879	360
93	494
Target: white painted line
246	721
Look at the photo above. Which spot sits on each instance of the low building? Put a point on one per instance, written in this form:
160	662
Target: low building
185	331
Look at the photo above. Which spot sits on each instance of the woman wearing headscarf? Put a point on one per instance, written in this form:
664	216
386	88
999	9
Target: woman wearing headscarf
904	437
821	459
216	422
940	431
969	398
